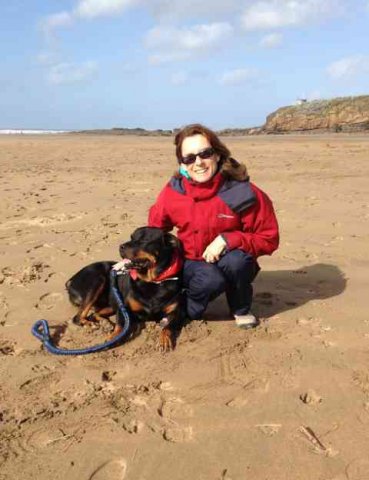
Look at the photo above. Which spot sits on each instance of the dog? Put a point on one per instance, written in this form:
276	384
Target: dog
149	281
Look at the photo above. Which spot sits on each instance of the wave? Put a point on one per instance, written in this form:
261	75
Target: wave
26	131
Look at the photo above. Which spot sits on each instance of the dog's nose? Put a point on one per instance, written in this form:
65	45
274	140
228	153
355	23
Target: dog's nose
127	250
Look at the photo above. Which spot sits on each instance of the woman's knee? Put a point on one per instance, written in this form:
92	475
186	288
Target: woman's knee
236	262
209	280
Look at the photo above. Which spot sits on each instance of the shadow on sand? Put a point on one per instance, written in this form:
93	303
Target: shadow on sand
281	290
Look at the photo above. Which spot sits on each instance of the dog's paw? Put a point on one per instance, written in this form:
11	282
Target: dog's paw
90	321
166	340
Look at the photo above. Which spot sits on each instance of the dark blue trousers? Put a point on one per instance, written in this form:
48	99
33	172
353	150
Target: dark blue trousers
232	274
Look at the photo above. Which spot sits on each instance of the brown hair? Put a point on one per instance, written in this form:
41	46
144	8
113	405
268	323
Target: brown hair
198	129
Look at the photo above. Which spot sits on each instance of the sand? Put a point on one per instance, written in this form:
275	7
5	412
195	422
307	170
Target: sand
289	400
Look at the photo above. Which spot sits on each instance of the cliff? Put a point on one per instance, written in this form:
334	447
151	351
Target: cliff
346	114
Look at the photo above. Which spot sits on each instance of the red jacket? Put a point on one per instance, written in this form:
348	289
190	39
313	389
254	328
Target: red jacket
237	210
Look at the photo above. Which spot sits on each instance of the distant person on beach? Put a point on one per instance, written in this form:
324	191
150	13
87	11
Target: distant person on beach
224	222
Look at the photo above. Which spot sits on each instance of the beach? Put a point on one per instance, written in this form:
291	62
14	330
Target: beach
288	400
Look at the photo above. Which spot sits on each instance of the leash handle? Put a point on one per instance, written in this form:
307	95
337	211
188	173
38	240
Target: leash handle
41	330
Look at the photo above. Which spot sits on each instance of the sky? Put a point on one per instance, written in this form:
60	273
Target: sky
84	64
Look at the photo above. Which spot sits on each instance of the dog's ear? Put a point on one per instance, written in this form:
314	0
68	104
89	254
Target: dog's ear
144	235
138	234
147	234
172	241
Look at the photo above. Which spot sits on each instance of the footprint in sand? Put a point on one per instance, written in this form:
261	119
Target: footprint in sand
178	434
4	305
174	408
175	412
237	402
265	298
358	469
6	348
111	470
24	275
41	439
49	300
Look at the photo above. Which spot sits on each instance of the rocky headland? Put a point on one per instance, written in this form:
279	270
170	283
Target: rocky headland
345	114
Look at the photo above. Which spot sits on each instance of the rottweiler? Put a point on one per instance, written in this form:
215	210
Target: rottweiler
149	283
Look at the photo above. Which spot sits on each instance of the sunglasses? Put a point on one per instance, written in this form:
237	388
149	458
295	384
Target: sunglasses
191	158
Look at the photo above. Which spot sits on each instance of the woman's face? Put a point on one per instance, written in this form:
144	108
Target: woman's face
201	170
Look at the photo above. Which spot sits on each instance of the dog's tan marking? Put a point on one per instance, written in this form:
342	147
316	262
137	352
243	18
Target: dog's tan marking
117	329
149	276
170	308
104	313
145	256
86	307
133	304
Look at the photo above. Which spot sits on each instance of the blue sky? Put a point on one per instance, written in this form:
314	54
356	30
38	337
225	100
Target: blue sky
80	64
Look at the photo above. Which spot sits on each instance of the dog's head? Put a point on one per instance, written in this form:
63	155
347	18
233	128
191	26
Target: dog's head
150	251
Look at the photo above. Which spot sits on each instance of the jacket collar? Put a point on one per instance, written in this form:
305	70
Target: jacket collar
203	191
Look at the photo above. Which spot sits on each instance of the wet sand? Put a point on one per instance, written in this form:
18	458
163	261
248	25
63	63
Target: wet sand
287	401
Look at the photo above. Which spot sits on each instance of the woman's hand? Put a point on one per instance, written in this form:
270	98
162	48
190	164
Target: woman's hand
214	250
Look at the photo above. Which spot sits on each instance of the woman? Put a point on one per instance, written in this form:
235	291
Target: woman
224	222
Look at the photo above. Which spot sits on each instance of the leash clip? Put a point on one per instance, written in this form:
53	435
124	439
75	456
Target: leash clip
122	272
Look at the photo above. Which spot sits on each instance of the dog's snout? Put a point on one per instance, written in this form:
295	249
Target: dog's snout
121	249
126	250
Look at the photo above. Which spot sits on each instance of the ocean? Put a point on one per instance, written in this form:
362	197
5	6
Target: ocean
26	131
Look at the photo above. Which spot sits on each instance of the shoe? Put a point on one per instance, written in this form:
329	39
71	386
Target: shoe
246	321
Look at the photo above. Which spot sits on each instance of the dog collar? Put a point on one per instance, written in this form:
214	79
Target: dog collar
168	274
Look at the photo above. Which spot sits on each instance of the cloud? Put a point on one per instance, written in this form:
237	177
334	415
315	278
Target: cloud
98	8
259	14
349	67
238	76
85	9
68	73
184	9
160	58
163	10
179	78
57	20
192	38
271	14
271	41
173	44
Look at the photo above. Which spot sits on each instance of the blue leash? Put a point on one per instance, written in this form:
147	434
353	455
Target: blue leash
41	328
